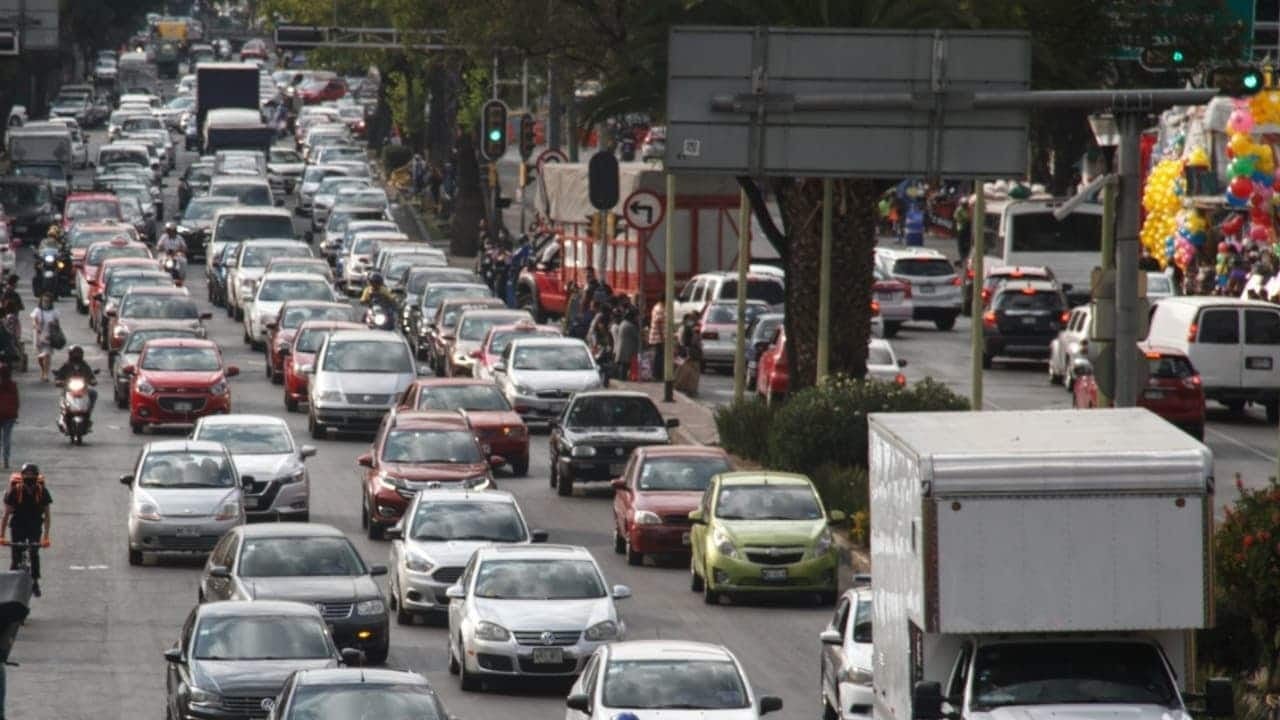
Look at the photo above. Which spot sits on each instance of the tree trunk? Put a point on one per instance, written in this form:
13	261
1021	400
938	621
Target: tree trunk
852	267
468	206
437	127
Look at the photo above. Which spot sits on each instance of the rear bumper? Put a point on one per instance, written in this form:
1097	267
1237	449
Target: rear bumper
934	312
1018	345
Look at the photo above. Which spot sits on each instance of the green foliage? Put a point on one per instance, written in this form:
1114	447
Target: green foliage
842	488
744	427
1247	559
395	156
475	91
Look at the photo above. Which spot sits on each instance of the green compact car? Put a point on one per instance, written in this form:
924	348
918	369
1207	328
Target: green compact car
762	532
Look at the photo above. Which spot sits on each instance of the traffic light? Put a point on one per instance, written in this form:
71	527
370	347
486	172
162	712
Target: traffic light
299	37
1163	58
1237	80
493	130
527	137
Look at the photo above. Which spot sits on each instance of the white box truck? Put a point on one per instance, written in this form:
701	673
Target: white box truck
1037	564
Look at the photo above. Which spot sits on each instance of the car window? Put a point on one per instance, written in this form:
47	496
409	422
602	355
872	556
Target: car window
551	357
767	502
314	702
475	327
159	307
673	685
367	356
258	255
680	474
1169	366
277	290
261	638
138	337
878	355
431	446
122	285
299	557
256	439
1029	301
613	411
1261	327
530	579
499	341
1219	326
765	290
923	267
295	316
232	228
482	521
181	359
462	397
186	469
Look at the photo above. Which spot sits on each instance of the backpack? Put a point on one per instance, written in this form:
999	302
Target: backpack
57	339
17	488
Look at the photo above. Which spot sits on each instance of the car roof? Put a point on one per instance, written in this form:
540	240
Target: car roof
431	382
183	444
92	196
1200	301
274	242
238	179
911	252
290	275
181	342
329	325
386	336
253	210
1014	270
545	341
494	312
763	477
431	419
245	418
1150	347
173	290
1024	285
678	451
667	650
358	676
611	393
464	495
257	608
534	552
290	529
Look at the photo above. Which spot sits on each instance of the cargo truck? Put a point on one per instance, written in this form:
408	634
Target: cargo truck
1039	564
224	85
236	129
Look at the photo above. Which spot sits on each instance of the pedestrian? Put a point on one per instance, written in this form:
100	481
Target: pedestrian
658	337
8	411
626	343
914	226
44	323
434	180
964	232
688	373
418	172
11	296
572	307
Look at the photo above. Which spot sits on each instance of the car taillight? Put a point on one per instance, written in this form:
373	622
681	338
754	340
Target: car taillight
1191	332
986	295
1064	317
875	308
969	273
956	281
1191	383
989	318
900	380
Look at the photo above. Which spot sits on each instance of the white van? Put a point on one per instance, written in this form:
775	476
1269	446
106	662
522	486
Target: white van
1025	232
1235	344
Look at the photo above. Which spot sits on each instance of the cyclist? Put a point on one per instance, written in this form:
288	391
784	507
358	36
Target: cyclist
377	291
26	510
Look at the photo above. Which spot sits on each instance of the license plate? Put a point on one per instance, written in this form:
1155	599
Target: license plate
885	297
251	503
1153	394
187	532
548	656
616	468
925	289
1028	321
183	406
684	538
1257	363
773	574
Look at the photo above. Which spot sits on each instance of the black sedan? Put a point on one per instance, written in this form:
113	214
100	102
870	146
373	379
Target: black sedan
594	436
310	563
232	656
196	222
352	693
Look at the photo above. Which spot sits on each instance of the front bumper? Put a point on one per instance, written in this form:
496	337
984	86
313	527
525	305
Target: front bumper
587	469
176	408
513	659
367	633
535	409
664	538
425	592
740	575
275	499
346	417
193	535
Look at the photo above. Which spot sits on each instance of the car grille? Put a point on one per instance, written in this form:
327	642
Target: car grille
613	452
362	399
775	555
559	637
447	574
554	394
246	704
170	403
188	543
335	610
527	665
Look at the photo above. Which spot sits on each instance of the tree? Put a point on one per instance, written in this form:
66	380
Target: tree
1247	558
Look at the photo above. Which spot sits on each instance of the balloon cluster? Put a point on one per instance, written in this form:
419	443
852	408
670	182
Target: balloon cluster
1252	170
1192	234
1161	201
1265	107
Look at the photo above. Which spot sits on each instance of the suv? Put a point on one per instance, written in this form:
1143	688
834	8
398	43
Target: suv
1024	319
935	283
594	436
764	283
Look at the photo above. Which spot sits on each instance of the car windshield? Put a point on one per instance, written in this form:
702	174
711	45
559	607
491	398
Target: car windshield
728	314
258	255
240	164
366	197
766	327
322	702
1041	232
1070	673
204	208
329	186
673	684
418	280
498	341
397	264
52	172
260	638
369	356
363	245
536	579
431	446
767	502
474	327
462	397
181	359
92	210
485	521
1035	300
159	307
199	174
120	286
285	156
552	358
276	290
316	174
923	267
301	265
339	220
138	337
97	255
232	228
680	474
613	411
877	355
249	439
182	102
184	469
434	296
85	238
295	316
22	195
309	341
253	194
767	290
299	557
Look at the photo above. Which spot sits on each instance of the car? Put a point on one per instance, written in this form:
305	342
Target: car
238	222
321	90
306	562
340	219
670	678
592	439
177	381
250	264
535	610
359	257
435	538
312	176
421	330
997	276
291	315
183	496
309	265
539	375
272	292
232	656
194	181
247	190
773	375
28	202
196	222
353	692
658	488
104	267
323	200
300	354
1071	344
893	296
122	280
883	363
488	414
394	264
935	283
413	451
414	280
128	355
445	324
216	275
764	533
356	377
718	326
472	326
1024	319
759	337
764	283
81	207
1160	285
254	49
1174	389
846	659
263	449
655	143
284	170
157	306
496	341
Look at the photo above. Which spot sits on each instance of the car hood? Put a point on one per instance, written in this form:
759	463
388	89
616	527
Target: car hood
267	307
623	435
311	589
197	224
443	472
365	383
773	532
135	323
485	419
567	380
266	467
734	714
171	378
286	168
1091	711
249	273
528	615
250	677
189	502
667	502
465	346
452	553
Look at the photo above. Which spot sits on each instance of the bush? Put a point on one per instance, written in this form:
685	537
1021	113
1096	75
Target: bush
842	488
395	157
1246	555
744	428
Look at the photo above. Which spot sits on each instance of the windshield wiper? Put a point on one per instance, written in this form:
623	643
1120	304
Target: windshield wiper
431	538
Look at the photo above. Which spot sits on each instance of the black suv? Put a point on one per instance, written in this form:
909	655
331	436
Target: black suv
1023	318
594	436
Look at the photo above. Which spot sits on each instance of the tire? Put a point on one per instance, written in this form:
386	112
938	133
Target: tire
634	558
136	428
122	402
827	599
619	542
315	428
271	375
375	530
402	617
290	404
891	329
364	513
135	557
1054	378
240	315
695	580
555	472
377	656
454	667
247	339
1196	431
468	681
81	307
231	312
946	323
564	488
520	466
709	596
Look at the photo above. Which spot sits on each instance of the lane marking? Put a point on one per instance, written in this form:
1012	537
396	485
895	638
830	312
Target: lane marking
1240	443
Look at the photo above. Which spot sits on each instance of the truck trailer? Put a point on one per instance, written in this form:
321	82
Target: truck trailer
1038	564
225	85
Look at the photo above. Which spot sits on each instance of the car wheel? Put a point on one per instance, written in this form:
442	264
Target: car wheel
378	655
945	323
695	580
364	512
827	599
468	681
248	340
403	617
555	474
81	307
564	485
315	428
619	542
710	596
827	712
1234	406
634	558
122	402
135	557
271	375
520	466
454	667
1054	378
290	404
375	530
136	427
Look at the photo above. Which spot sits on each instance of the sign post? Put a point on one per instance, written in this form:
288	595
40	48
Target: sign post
744	259
977	224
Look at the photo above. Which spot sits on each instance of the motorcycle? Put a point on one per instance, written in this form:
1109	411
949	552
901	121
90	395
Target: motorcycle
380	316
172	264
74	409
52	273
628	148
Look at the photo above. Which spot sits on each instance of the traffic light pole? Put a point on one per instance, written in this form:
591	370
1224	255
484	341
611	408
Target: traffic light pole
1126	260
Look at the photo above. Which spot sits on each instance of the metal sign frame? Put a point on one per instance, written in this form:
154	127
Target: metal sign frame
365	38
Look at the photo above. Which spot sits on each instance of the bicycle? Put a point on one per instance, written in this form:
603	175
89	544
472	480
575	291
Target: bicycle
24	558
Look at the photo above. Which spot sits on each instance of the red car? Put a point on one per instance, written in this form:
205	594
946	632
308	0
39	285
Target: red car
293	313
658	489
100	252
413	451
302	352
176	382
772	376
99	285
82	206
1173	390
84	234
497	339
253	49
490	415
321	90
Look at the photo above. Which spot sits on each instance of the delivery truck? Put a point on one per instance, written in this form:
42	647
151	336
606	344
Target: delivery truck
236	129
224	85
1037	564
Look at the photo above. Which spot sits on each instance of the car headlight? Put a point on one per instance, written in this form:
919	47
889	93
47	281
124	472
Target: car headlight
602	631
645	517
229	510
143	387
329	396
294	477
147	510
198	696
416	562
583	451
822	545
492	632
523	390
478	482
724	543
220	388
370	607
390	482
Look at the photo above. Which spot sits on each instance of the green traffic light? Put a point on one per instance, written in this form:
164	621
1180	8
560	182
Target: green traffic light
1177	56
1251	81
495	135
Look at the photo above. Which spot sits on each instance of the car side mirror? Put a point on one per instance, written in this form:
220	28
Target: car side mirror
173	655
902	362
456	592
578	701
837	516
619	484
673	422
246	481
126	480
307	451
499	366
128	370
696	517
830	637
926	701
476	354
621	592
220	571
376	570
232	371
365	460
206	315
538	536
770	703
351	657
393	533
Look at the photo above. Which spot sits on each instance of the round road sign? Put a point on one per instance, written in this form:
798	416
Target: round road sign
551	155
643	209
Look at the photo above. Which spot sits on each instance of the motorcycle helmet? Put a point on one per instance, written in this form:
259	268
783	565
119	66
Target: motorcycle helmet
375	279
30	470
75	354
55	231
171	226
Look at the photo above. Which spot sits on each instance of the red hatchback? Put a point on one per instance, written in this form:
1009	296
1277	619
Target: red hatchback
772	377
321	90
302	353
82	206
176	382
414	451
495	423
280	332
1173	390
658	489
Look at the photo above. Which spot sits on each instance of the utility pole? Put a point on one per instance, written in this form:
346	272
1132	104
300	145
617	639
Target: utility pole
553	106
1126	260
977	224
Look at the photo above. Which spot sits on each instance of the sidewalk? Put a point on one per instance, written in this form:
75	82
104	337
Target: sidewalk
697	421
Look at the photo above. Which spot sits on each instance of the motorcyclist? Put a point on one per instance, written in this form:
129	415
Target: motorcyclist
75	366
377	292
26	510
172	242
54	238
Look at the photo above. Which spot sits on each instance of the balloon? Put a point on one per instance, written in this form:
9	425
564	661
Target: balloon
1258	233
1198	158
1198	239
1241	187
1236	201
1238	143
1260	177
1243	165
1241	121
1231	226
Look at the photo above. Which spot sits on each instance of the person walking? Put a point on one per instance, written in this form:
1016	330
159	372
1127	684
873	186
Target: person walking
44	322
914	226
8	411
626	343
434	180
658	337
